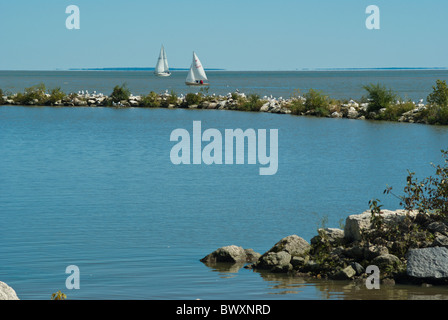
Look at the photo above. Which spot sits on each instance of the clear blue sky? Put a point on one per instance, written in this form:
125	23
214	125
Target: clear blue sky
230	34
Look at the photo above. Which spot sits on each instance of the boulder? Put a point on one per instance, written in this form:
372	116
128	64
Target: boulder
7	293
352	113
275	261
356	224
386	260
428	263
294	245
336	115
333	235
232	254
345	274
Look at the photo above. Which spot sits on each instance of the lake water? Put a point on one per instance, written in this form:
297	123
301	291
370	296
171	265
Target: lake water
409	84
95	188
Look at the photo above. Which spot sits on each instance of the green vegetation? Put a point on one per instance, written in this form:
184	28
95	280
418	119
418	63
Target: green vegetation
437	110
251	103
55	95
151	100
314	102
439	96
393	112
379	97
171	99
120	93
34	95
193	99
381	103
429	197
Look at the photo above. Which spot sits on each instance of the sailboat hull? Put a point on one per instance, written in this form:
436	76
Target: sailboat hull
196	84
163	74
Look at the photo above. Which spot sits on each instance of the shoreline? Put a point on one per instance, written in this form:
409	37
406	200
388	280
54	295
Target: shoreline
408	112
348	254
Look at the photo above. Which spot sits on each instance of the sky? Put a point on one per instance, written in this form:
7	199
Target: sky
231	34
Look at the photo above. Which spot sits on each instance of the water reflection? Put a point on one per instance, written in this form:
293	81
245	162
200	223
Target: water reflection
283	284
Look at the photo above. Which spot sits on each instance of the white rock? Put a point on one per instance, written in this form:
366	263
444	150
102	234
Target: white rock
7	293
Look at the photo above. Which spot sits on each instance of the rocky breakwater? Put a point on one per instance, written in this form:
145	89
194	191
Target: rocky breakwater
407	247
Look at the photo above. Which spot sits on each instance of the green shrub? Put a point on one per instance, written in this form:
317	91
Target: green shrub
379	97
251	103
172	98
436	114
56	95
193	99
151	100
120	93
439	96
317	101
395	111
33	95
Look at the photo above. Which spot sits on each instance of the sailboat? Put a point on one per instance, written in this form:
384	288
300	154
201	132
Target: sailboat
196	76
162	69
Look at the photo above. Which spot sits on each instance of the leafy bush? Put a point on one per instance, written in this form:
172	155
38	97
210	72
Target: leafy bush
120	93
172	98
251	103
33	95
395	111
151	100
436	114
379	97
439	96
427	196
317	101
193	99
56	95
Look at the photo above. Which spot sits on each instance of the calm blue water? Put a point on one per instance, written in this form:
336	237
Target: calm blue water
409	84
95	187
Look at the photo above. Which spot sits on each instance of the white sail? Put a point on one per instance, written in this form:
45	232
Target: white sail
196	73
162	63
165	61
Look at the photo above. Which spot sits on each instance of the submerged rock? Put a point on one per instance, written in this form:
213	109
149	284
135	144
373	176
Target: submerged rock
231	254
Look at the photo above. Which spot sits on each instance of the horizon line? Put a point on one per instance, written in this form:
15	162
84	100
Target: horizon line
230	70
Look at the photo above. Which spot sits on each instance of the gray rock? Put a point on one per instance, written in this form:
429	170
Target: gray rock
7	293
332	235
386	260
251	255
336	115
356	224
232	254
374	251
294	245
352	113
345	274
440	240
275	261
431	263
438	226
